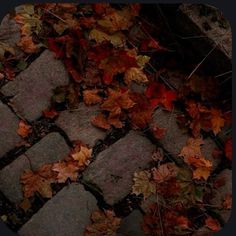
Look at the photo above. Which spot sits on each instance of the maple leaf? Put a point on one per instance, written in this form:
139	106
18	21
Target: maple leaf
100	121
91	97
117	39
158	94
217	120
143	184
66	170
228	148
212	224
116	20
39	181
192	148
164	172
141	113
83	156
227	201
135	74
158	132
24	129
104	223
118	62
116	101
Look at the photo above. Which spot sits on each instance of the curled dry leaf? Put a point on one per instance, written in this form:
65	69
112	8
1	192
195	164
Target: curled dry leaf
24	129
212	224
135	74
104	223
143	184
100	121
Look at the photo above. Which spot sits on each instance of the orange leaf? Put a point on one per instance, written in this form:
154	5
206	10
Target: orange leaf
212	224
100	121
91	97
24	129
50	113
66	170
217	120
158	132
27	45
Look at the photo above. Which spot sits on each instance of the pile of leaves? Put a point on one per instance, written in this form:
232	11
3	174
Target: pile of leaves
108	50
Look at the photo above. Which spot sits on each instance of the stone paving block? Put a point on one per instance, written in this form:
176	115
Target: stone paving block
204	231
221	192
192	21
8	127
77	125
50	149
33	88
175	138
131	225
66	214
112	171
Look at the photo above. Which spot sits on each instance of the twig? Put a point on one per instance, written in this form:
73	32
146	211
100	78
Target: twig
58	17
200	63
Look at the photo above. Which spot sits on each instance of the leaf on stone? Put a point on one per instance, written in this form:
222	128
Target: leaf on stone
117	39
158	132
135	74
143	184
91	97
103	223
66	170
24	129
164	172
38	181
82	155
212	224
27	44
100	121
192	148
50	113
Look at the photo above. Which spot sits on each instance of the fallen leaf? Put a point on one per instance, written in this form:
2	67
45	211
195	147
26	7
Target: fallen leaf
164	172
217	120
158	132
117	39
66	170
91	97
103	223
24	129
143	184
25	205
50	113
212	224
83	156
135	74
27	45
100	121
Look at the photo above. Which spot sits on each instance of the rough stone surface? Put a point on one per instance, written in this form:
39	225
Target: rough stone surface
67	214
50	149
9	31
33	88
8	127
221	192
131	225
77	125
204	231
112	171
191	22
175	138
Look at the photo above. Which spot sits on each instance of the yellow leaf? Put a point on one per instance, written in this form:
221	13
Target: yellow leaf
143	184
117	39
83	156
135	74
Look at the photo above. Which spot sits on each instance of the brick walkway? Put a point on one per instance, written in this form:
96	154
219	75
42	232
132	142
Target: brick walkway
67	213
